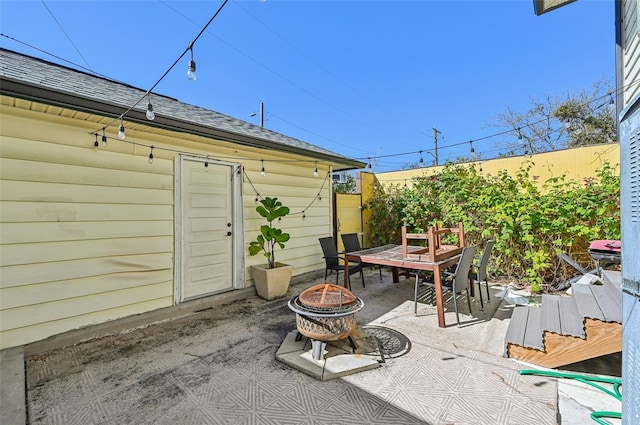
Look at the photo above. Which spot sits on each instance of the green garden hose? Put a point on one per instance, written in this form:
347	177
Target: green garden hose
589	380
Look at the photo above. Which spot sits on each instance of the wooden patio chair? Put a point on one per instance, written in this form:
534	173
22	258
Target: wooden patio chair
435	249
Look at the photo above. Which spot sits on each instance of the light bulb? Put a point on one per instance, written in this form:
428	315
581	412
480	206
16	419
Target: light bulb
151	156
96	144
262	172
150	114
104	140
191	71
315	173
121	133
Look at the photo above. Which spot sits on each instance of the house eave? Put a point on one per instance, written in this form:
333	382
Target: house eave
45	95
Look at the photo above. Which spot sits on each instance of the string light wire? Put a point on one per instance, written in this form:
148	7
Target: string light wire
609	94
189	48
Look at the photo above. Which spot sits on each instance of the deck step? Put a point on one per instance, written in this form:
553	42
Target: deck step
570	321
524	327
609	297
551	314
533	334
568	329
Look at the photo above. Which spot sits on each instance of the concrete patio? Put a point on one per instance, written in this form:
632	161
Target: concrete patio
218	366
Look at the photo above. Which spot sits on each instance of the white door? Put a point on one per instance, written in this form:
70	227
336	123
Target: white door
207	229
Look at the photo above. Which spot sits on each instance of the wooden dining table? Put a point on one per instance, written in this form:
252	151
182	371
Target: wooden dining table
392	256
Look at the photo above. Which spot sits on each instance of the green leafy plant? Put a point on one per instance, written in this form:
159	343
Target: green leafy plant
270	236
531	222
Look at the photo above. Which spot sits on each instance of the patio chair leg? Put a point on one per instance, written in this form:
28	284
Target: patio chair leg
415	297
455	304
469	301
480	295
486	282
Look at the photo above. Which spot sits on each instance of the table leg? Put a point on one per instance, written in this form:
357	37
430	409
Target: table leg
439	300
347	284
394	273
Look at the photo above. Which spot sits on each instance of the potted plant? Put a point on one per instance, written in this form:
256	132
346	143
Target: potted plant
271	279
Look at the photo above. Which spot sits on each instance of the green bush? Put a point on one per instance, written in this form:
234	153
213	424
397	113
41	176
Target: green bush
531	222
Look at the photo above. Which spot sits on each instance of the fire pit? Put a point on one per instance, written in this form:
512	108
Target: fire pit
324	313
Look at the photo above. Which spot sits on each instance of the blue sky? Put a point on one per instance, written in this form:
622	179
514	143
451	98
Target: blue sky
365	79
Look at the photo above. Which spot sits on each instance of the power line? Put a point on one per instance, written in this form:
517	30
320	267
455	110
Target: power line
282	77
317	64
189	48
66	35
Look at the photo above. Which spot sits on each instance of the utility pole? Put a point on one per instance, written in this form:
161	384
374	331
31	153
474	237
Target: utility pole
435	142
253	114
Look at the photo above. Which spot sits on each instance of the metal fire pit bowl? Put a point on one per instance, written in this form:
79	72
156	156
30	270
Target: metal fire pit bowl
326	312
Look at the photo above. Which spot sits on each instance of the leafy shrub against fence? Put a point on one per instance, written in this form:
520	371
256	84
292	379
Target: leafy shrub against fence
531	222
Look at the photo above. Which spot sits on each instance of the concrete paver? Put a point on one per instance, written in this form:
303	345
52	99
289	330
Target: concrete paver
218	366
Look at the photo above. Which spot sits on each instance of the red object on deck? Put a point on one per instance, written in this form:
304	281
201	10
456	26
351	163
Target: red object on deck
606	246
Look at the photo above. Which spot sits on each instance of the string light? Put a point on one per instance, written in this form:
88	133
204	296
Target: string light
369	163
191	73
206	163
303	212
421	160
104	139
96	144
191	70
472	149
151	155
262	172
150	114
315	172
121	134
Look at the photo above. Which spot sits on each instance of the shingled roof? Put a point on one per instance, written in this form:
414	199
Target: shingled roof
34	79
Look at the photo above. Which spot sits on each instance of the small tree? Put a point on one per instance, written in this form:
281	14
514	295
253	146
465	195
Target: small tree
347	187
271	209
578	119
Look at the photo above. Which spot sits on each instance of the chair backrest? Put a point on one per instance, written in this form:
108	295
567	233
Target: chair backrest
329	251
351	242
484	260
433	251
461	278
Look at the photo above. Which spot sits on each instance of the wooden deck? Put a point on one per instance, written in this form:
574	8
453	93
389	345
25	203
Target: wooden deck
568	329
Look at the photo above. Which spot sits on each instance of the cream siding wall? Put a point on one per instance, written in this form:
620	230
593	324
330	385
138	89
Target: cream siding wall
85	236
88	236
630	51
295	186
